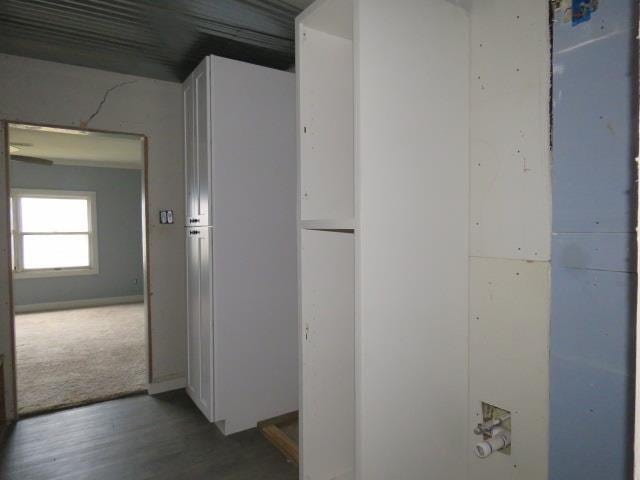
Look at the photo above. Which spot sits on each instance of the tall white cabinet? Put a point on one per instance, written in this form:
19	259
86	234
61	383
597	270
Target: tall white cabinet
240	228
412	138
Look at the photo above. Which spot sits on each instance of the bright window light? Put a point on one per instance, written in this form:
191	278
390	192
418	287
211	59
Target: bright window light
55	251
54	215
54	233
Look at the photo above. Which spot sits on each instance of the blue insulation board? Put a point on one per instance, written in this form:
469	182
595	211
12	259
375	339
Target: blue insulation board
593	247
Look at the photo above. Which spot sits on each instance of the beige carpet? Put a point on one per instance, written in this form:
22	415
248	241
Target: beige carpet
72	357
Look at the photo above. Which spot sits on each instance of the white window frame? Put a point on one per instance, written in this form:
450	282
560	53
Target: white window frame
16	234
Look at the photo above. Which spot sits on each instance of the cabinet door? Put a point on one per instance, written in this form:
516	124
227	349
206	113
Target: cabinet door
200	319
197	122
190	174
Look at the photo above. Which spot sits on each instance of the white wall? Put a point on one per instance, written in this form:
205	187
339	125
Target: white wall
46	92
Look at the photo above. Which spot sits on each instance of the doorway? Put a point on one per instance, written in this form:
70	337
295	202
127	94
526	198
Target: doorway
78	226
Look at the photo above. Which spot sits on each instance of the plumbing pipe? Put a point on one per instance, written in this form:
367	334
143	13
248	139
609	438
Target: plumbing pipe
486	427
500	438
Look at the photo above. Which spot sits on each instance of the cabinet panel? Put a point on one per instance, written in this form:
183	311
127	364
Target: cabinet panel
189	157
198	146
200	319
327	313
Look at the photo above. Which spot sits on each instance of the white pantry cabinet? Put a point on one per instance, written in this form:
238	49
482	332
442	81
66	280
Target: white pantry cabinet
240	179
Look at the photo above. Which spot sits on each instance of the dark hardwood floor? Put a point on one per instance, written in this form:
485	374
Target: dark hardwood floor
141	437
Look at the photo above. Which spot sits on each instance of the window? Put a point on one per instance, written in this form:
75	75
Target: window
53	233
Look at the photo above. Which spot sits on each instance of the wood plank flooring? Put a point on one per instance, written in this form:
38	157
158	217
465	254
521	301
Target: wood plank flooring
141	437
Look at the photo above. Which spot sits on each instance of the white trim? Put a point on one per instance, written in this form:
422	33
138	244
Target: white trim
84	303
17	234
166	386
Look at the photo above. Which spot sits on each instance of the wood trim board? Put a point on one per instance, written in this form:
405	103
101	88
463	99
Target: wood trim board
272	431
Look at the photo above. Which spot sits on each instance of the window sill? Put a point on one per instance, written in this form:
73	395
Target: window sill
63	272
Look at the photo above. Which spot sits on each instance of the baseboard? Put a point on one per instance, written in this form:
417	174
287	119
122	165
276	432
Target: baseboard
166	386
85	303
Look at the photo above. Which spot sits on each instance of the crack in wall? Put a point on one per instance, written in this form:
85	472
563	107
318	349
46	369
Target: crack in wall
104	100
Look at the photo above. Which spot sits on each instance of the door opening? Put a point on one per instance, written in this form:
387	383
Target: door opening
78	260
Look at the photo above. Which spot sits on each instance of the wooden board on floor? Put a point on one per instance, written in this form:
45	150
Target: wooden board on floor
275	429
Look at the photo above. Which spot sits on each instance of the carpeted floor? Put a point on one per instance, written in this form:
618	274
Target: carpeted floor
73	357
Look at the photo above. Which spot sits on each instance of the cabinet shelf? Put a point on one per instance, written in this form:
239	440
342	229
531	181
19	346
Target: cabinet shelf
329	224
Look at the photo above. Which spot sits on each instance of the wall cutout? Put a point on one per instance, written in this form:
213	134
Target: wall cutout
576	11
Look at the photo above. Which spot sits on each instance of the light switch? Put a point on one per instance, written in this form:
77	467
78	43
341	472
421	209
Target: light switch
166	217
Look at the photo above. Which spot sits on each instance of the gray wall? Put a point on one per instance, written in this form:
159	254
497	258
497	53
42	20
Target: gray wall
593	259
119	216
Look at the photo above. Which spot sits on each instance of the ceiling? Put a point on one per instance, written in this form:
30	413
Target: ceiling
163	39
75	147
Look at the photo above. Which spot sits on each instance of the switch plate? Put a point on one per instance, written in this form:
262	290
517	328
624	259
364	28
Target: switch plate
166	217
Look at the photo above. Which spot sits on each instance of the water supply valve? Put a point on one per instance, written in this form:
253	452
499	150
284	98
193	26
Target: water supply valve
495	430
499	439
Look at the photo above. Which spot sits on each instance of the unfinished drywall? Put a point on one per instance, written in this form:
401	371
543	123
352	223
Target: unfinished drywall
119	221
510	231
593	260
46	92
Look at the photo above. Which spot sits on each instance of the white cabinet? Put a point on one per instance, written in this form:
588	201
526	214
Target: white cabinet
240	177
424	155
199	315
197	141
383	238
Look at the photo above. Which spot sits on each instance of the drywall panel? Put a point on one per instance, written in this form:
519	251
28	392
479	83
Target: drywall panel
327	371
595	133
509	138
593	316
594	250
508	362
615	252
255	266
592	433
52	93
325	72
412	110
119	220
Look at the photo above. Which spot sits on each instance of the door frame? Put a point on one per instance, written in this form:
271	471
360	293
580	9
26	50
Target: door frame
146	257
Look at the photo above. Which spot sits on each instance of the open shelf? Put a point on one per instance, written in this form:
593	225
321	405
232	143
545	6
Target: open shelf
329	224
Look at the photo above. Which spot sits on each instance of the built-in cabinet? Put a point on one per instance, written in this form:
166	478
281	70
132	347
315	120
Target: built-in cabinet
411	124
240	229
